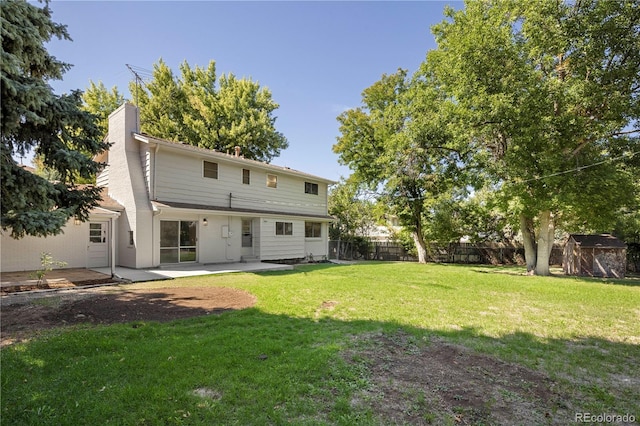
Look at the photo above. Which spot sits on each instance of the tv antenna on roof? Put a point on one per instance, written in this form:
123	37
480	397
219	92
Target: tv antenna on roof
136	71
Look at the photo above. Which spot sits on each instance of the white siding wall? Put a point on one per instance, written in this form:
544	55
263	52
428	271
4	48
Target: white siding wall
24	254
179	178
212	247
317	246
145	162
103	177
274	247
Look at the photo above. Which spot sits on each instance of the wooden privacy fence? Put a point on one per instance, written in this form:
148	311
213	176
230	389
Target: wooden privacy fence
483	253
633	257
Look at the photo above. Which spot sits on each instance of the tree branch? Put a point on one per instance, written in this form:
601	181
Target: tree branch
580	147
630	132
589	140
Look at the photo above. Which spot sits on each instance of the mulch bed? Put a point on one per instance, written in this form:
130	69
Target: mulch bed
53	284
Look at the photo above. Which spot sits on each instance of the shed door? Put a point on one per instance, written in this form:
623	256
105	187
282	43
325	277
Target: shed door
98	245
586	262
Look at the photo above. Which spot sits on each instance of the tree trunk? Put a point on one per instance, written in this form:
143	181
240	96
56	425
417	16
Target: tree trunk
545	243
529	239
421	246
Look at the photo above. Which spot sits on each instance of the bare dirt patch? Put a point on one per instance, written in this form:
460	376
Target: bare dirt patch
103	306
443	383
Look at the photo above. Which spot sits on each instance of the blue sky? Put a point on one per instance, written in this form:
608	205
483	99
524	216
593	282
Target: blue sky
315	57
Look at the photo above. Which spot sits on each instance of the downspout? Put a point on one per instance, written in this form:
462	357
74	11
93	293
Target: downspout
155	158
113	247
327	225
227	243
156	212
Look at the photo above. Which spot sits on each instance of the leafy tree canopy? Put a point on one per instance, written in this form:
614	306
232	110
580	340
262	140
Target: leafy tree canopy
35	119
356	215
101	102
546	90
200	109
400	144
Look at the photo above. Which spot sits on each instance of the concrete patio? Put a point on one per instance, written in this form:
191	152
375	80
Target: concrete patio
79	277
190	270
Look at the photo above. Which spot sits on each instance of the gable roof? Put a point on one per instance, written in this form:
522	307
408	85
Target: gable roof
28	168
106	202
109	203
598	241
144	138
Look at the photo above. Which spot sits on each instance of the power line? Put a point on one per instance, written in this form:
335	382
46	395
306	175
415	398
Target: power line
580	168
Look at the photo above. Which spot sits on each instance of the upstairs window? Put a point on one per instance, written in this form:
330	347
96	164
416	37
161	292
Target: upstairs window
311	188
246	176
272	181
210	170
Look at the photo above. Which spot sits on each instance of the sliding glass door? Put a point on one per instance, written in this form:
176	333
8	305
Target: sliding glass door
178	241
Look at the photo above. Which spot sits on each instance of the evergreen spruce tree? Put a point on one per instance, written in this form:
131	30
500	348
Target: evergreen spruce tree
53	127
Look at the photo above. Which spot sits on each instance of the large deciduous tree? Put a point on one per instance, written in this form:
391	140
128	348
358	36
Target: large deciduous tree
354	212
35	119
550	90
399	143
101	102
200	109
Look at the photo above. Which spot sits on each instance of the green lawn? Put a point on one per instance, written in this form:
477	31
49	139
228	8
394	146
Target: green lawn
283	360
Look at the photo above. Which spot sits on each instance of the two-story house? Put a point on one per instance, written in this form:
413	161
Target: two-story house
174	203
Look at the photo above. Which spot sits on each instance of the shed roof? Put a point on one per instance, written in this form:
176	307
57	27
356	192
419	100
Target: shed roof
598	241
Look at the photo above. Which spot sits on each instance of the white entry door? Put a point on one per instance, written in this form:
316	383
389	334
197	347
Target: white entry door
247	237
98	245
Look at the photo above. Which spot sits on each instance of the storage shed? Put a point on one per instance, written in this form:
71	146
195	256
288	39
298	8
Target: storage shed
595	256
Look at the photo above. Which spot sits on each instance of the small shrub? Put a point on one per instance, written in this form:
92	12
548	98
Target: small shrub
47	263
